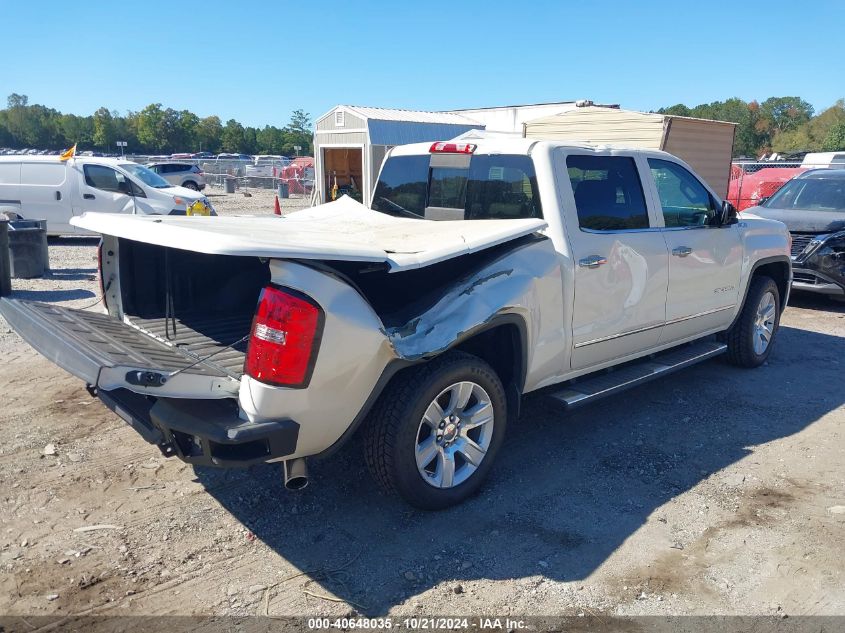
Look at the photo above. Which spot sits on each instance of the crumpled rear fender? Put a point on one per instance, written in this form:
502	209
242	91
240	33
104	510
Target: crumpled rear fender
524	283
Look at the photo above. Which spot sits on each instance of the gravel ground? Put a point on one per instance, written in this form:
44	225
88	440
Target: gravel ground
713	491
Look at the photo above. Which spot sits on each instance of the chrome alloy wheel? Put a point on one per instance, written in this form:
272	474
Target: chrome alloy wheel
454	435
764	322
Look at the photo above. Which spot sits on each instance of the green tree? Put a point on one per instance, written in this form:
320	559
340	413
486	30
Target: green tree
785	113
271	140
835	139
74	129
186	125
149	124
104	132
678	109
233	136
209	134
298	132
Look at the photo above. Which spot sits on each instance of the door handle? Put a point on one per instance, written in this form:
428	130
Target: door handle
593	261
89	196
681	251
58	195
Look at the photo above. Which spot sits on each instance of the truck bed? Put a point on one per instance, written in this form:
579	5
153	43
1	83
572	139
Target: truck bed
222	341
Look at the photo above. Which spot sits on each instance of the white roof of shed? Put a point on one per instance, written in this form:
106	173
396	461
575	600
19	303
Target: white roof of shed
413	116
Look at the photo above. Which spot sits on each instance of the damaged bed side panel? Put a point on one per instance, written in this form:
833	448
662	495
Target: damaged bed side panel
358	351
525	282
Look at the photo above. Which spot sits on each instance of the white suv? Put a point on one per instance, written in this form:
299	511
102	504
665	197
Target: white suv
180	174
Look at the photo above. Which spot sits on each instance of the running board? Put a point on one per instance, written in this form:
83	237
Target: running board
608	382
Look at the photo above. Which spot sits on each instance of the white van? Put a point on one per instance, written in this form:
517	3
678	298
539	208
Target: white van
833	160
45	188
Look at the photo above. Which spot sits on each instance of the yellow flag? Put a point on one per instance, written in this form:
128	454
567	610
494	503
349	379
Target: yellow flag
68	153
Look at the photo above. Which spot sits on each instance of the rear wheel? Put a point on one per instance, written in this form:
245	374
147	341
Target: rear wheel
191	185
751	338
436	429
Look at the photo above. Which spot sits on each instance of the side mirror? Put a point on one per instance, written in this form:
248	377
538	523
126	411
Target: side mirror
123	187
729	214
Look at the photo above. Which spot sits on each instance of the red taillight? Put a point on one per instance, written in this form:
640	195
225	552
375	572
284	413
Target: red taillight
452	148
284	340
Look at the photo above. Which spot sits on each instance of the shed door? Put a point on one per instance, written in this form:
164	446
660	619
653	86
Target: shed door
344	167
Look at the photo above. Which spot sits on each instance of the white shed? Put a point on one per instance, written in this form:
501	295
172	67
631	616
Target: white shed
350	143
707	146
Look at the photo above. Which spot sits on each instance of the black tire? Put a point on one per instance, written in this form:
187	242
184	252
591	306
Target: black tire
740	338
191	185
391	433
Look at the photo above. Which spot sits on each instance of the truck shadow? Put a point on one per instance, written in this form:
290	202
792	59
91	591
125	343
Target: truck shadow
812	301
52	296
567	491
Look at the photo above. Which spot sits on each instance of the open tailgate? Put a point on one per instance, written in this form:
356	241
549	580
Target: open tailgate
110	354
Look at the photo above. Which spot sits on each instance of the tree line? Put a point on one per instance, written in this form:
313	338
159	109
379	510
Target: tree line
778	124
153	130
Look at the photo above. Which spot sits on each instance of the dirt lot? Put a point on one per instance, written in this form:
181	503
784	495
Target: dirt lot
715	490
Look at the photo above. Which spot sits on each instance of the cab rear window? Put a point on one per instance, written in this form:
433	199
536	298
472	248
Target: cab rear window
498	186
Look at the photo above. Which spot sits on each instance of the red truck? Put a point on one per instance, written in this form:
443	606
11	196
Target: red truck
750	184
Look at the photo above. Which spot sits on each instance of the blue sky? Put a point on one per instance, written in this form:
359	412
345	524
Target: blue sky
258	61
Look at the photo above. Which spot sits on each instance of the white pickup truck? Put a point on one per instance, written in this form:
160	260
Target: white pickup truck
479	273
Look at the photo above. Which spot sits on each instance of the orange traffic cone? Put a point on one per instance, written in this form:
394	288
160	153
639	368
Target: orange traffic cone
276	208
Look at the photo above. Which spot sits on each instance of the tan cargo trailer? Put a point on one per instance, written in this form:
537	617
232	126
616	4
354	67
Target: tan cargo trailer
707	146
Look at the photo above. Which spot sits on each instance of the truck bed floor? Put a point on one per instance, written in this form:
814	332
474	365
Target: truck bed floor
220	339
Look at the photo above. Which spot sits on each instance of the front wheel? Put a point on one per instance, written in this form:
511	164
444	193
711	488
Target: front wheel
436	429
751	337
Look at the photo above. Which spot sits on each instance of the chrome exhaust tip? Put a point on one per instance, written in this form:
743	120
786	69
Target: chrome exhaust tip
296	473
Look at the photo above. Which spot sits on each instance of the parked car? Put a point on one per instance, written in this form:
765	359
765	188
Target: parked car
815	160
812	205
180	174
481	273
266	166
240	157
45	188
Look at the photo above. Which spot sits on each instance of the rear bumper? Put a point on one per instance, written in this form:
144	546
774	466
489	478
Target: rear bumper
203	432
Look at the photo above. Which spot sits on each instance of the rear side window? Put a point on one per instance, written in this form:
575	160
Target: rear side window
493	187
608	193
401	187
502	187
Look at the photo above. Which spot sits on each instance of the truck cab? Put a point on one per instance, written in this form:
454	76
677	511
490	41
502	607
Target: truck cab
649	258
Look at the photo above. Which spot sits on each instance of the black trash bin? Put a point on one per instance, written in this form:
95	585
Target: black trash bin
283	189
230	184
5	267
28	248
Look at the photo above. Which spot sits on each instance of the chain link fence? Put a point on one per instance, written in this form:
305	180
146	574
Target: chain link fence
265	173
754	182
